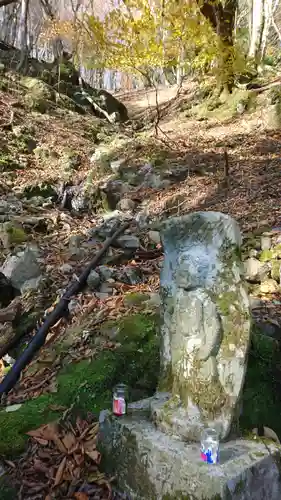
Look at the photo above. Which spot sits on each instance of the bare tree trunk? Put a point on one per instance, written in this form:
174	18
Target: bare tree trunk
179	70
23	35
222	18
261	13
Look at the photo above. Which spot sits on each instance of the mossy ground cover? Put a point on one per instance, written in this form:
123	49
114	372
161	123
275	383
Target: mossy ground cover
262	389
89	384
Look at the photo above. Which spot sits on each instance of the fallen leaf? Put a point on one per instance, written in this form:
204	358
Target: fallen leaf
69	441
79	459
13	408
43	442
90	444
49	432
94	455
81	496
59	445
60	471
40	466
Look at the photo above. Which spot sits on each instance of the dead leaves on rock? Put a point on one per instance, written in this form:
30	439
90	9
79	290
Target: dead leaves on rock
61	462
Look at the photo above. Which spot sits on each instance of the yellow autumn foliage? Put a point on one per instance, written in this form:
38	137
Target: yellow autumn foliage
138	36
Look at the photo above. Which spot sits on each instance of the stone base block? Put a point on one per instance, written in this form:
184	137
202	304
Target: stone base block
151	465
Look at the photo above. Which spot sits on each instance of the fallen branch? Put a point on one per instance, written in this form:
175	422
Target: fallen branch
262	88
39	338
10	312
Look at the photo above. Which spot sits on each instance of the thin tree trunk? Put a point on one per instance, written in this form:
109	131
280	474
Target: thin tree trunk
261	20
23	35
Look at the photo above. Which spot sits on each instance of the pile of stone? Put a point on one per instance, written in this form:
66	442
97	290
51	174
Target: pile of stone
262	254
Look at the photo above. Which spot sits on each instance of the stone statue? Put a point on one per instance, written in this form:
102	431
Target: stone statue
205	327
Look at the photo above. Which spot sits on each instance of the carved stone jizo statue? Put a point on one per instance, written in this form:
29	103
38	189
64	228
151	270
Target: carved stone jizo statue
205	327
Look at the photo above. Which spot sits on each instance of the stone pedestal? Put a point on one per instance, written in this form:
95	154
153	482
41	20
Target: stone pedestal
151	465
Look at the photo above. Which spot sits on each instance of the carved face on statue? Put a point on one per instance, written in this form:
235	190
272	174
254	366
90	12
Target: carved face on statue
193	269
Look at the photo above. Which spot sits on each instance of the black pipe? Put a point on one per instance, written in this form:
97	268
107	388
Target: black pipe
39	338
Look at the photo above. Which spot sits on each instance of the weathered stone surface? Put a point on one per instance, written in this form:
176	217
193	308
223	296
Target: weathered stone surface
151	465
21	268
256	271
269	286
93	280
128	241
265	242
154	236
11	234
74	244
206	324
125	204
31	284
275	270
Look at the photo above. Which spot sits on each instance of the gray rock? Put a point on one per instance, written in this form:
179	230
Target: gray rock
104	292
116	165
106	272
151	465
255	270
108	227
37	201
269	286
128	241
73	306
265	242
130	275
125	204
154	299
255	302
154	236
32	284
115	190
21	268
11	234
66	268
74	246
93	280
253	253
155	181
4	207
205	301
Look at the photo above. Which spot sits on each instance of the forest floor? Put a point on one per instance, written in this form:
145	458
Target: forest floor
231	164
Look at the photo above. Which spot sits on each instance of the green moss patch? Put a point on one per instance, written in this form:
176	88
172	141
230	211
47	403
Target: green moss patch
261	394
89	384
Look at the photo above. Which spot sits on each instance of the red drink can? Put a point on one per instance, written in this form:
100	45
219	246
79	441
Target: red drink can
119	400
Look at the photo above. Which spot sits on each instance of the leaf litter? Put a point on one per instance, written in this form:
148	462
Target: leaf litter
62	462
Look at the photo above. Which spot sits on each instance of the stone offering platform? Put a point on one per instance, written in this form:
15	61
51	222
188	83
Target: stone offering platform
151	465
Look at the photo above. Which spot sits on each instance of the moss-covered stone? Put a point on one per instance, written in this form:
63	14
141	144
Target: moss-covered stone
11	234
44	189
134	298
275	269
89	384
39	95
261	402
276	251
266	255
